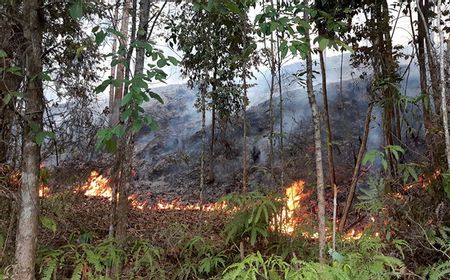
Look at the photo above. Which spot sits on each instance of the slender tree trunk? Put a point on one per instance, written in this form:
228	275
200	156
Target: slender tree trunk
113	50
120	71
203	90
331	171
362	150
280	92
419	44
443	83
245	145
271	111
114	120
27	228
318	152
211	144
423	10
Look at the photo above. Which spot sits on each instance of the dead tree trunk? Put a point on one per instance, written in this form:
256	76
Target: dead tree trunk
354	182
27	228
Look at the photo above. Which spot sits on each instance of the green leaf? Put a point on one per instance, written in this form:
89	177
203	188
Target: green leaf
385	164
7	98
126	99
156	96
3	54
100	88
76	10
41	135
370	156
48	223
173	60
115	32
323	43
100	37
232	6
161	63
137	125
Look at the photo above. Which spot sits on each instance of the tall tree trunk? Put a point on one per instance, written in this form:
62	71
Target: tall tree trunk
115	117
271	110
120	71
245	145
27	228
331	171
211	144
443	83
318	152
419	44
203	90
113	50
354	182
280	92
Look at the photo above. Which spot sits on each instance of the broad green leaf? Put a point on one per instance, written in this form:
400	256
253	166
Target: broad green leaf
156	96
323	43
161	63
100	37
3	54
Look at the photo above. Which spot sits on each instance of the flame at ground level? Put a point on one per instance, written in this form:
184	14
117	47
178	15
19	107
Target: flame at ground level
285	222
98	186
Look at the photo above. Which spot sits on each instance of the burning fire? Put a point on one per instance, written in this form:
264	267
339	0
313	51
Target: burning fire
44	191
293	196
97	185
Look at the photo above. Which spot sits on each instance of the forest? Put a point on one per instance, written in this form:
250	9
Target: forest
224	139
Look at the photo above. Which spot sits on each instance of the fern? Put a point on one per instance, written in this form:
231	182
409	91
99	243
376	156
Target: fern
77	272
371	198
440	271
253	217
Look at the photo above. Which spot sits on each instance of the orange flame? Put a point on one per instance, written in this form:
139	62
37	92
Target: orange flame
97	186
44	191
293	195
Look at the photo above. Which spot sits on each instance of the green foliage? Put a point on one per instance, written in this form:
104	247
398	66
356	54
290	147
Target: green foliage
446	183
253	216
371	198
218	52
288	20
136	90
48	223
439	271
365	263
394	150
141	260
76	10
200	258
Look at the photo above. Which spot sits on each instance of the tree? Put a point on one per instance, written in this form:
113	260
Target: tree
317	150
27	228
442	82
213	45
